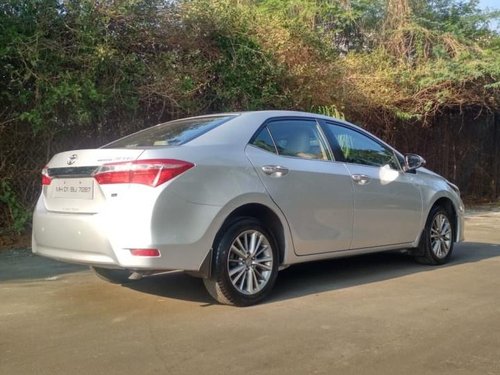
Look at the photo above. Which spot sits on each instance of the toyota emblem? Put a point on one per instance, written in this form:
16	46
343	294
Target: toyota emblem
72	159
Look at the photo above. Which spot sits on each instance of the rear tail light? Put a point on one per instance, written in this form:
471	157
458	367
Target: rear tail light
145	252
151	172
46	180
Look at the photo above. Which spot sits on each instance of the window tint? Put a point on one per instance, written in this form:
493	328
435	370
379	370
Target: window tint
360	149
171	133
298	138
264	141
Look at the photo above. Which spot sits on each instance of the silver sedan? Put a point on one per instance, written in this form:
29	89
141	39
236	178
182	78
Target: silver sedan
233	198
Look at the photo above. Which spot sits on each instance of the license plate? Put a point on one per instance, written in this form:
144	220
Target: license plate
73	188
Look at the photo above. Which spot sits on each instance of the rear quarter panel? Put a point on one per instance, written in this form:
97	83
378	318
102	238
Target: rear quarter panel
195	205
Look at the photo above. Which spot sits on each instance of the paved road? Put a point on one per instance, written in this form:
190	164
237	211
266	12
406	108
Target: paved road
378	314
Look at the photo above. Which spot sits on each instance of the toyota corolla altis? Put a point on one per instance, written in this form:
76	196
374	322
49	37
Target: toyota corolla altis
233	198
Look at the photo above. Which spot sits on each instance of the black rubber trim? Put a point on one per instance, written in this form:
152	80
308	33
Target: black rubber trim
72	171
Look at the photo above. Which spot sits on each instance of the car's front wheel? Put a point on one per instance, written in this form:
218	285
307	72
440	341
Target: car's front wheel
245	264
112	275
436	243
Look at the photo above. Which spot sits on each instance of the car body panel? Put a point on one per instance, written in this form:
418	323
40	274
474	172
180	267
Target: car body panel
434	188
390	199
321	220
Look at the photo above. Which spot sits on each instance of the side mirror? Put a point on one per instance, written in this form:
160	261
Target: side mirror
412	162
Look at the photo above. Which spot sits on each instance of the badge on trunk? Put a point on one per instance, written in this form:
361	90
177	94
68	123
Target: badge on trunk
72	159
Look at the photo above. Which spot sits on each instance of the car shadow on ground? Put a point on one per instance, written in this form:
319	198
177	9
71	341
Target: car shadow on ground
23	265
316	277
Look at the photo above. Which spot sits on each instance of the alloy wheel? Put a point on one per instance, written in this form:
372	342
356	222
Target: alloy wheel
441	234
250	262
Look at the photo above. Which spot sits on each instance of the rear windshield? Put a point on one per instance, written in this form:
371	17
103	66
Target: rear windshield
171	133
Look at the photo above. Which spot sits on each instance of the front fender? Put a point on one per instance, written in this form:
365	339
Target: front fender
432	199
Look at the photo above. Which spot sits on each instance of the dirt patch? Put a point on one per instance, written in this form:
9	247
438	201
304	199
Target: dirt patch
11	241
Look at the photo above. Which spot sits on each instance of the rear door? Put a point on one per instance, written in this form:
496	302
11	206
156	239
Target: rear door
292	158
387	201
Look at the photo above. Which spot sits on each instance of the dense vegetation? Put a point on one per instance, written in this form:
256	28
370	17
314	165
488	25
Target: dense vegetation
76	73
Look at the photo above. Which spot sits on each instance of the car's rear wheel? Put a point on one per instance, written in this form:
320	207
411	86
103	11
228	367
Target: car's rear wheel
436	243
112	275
245	264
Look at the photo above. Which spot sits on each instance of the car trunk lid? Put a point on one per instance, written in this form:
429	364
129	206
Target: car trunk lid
68	180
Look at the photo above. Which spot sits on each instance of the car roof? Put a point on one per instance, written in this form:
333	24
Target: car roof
239	129
273	113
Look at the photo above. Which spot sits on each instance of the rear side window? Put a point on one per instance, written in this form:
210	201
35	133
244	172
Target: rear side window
264	141
173	133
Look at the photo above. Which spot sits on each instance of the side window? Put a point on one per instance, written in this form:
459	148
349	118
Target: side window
298	138
264	141
360	149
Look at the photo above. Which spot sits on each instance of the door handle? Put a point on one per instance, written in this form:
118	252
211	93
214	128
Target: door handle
360	179
275	170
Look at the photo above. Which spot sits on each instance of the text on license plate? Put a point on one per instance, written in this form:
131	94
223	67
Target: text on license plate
73	188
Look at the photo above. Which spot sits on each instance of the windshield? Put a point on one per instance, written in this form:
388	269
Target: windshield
173	133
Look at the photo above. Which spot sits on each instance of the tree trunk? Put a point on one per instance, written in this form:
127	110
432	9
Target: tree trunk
495	155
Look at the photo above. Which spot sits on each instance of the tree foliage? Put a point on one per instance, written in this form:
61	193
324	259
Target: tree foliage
100	64
76	73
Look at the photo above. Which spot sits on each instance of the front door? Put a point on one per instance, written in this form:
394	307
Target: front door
387	201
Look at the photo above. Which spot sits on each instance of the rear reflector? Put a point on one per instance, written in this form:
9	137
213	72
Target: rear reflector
46	180
145	252
151	172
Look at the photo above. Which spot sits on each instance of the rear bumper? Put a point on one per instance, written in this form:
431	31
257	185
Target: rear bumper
105	240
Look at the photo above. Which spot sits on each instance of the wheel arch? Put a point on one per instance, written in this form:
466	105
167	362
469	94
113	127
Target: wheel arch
269	218
447	204
258	205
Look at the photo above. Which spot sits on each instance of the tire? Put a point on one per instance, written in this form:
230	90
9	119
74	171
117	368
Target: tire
113	276
436	242
245	264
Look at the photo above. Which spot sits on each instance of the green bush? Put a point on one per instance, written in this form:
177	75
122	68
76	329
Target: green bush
17	214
